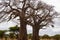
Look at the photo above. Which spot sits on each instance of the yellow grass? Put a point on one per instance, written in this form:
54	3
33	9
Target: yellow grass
28	39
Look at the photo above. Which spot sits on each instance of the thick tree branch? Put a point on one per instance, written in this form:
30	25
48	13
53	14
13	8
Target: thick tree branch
29	23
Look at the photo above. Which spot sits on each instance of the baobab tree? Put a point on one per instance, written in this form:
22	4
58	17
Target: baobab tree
40	18
9	12
24	9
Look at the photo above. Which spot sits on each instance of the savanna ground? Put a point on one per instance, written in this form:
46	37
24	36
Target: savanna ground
29	39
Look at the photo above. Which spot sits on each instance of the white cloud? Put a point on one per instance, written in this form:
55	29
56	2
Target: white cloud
55	3
56	29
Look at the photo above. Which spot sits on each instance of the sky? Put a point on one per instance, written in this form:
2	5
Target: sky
50	31
55	3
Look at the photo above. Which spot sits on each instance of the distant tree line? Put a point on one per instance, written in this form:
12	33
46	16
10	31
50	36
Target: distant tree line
55	37
13	34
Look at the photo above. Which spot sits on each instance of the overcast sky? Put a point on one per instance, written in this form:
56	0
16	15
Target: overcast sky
49	30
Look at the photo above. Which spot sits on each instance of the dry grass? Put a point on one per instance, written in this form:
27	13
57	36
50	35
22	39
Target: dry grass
28	39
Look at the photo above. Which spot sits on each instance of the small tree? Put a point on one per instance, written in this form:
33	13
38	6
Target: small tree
14	30
45	36
2	34
56	37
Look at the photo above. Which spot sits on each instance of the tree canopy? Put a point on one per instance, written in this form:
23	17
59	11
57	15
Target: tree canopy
32	12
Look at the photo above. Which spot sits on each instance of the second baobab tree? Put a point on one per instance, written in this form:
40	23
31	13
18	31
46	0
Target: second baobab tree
40	18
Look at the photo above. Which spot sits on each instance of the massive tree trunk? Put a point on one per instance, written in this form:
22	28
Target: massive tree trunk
23	30
35	33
